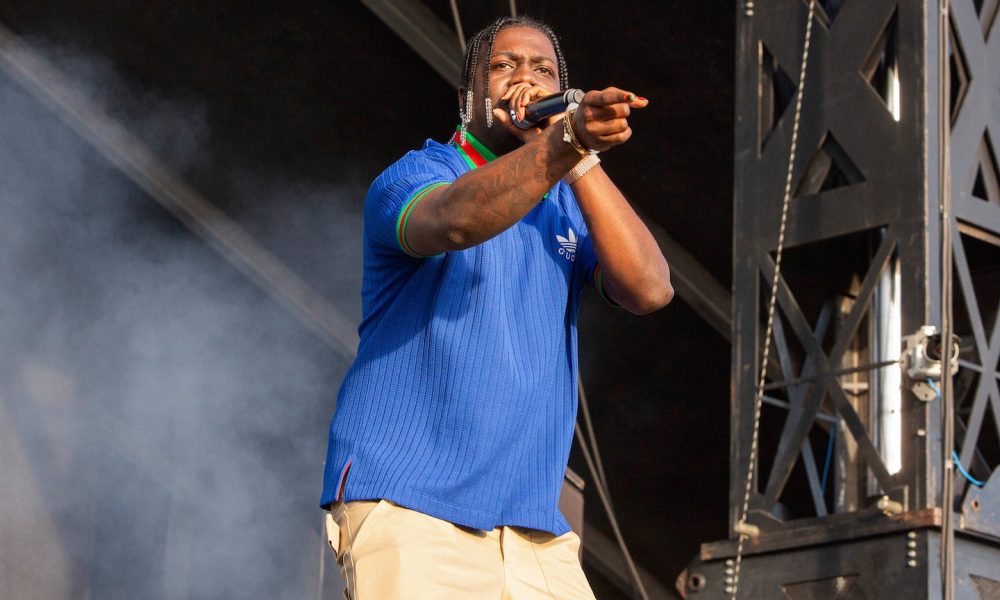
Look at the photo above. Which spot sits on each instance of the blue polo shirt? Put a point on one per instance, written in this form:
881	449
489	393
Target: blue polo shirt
462	400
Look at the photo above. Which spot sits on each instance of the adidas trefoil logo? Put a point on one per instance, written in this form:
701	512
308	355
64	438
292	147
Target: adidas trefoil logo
567	245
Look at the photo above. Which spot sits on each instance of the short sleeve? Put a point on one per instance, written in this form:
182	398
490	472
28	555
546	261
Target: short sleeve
393	196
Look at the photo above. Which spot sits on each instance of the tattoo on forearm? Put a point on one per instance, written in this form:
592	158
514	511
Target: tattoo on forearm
495	191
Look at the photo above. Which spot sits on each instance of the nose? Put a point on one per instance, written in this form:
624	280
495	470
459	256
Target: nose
523	73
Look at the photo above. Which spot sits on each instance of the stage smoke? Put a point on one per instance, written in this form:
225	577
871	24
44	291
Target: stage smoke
162	419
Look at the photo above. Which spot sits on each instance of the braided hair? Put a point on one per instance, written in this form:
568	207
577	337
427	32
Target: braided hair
486	37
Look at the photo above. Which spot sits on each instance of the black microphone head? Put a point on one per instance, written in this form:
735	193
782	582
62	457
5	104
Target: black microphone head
547	106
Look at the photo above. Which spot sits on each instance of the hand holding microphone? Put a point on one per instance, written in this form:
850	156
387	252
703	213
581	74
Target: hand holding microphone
546	107
600	118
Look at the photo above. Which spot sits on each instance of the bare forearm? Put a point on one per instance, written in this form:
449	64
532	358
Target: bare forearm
486	201
636	274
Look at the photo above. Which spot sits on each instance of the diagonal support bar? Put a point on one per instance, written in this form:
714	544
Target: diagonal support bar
796	430
694	284
133	158
427	35
603	554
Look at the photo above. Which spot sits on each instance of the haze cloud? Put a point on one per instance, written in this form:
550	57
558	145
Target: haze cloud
162	420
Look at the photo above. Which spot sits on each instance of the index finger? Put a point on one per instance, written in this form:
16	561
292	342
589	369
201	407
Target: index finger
611	96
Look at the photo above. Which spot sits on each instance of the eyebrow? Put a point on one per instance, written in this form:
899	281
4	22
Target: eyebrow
537	58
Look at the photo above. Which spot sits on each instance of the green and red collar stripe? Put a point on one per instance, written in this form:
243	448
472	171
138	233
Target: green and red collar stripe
472	150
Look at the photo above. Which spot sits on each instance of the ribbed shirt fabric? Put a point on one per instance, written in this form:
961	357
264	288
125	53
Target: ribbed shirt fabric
462	399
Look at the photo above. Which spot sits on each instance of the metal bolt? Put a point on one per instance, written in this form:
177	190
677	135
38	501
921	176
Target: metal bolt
729	562
912	543
747	529
729	571
728	590
912	535
911	563
889	506
921	432
912	553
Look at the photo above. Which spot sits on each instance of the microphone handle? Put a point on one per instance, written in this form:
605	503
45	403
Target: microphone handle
544	108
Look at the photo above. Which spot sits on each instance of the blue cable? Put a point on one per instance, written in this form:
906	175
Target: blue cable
954	455
961	469
829	454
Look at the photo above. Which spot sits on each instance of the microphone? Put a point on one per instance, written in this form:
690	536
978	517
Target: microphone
544	108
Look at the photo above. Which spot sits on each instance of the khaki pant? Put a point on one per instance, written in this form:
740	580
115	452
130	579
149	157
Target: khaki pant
388	552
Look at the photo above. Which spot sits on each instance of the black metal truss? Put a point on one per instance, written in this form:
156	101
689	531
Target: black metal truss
806	399
975	85
865	204
857	169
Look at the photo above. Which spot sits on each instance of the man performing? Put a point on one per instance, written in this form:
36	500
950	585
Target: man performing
453	426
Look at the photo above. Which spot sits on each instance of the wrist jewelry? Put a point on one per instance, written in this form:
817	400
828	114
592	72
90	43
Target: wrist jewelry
569	136
587	163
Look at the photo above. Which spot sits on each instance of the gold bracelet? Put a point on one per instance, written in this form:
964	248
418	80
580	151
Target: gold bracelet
569	136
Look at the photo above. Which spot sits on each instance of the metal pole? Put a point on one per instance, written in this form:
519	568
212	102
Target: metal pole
947	400
458	25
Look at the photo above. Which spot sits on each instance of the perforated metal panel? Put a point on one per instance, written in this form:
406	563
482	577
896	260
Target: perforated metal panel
988	589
